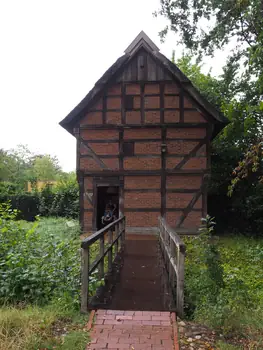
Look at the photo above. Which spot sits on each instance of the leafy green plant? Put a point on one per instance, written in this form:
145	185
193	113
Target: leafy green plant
223	282
34	267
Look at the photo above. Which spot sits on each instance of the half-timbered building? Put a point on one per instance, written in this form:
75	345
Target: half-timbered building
143	137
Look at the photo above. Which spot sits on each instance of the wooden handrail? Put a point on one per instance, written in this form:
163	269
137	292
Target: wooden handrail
88	267
95	236
173	250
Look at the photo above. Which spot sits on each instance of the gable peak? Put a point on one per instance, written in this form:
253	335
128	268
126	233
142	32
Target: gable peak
141	40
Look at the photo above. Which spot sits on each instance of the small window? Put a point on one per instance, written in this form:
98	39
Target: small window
128	103
128	148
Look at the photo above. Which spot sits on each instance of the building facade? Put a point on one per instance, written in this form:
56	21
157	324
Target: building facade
143	137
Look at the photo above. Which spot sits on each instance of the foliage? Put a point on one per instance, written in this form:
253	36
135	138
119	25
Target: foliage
19	166
204	278
223	283
205	27
250	168
242	212
36	268
62	200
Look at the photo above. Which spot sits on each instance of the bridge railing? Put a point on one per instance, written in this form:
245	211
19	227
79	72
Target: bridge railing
114	237
173	251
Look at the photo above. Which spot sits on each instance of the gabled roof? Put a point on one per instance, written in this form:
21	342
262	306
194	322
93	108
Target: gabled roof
142	41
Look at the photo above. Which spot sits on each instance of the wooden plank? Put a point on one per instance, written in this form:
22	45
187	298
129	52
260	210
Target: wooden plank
151	71
142	104
121	197
101	264
181	105
150	126
81	200
104	108
95	206
84	280
180	284
110	238
163	175
123	115
111	173
141	66
121	154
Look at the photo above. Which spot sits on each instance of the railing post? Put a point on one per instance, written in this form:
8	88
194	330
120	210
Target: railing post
117	239
110	235
123	224
84	279
101	264
180	280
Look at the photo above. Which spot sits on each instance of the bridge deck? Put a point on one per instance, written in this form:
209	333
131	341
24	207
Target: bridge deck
141	285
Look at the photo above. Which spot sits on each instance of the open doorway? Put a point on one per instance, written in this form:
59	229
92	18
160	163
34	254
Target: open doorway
105	195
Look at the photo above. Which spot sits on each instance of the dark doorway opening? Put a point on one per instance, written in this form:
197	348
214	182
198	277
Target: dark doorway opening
105	194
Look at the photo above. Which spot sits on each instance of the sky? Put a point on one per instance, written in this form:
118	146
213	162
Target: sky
52	52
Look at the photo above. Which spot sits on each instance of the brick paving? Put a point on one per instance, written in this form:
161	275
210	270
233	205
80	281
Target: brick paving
134	330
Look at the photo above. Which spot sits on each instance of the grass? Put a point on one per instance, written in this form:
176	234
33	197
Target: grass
59	227
49	327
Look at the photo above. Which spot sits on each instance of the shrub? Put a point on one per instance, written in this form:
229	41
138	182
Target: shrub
35	267
60	201
222	282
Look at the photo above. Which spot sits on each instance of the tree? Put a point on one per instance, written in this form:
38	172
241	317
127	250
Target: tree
20	165
244	210
205	26
44	168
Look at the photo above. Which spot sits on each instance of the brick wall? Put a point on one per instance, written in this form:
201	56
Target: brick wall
142	199
180	141
148	148
142	182
142	134
142	219
87	221
184	181
142	163
181	200
99	134
187	133
101	148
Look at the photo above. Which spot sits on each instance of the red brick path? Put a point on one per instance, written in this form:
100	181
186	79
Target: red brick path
134	330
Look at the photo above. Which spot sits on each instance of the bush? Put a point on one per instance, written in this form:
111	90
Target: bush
60	201
222	282
34	267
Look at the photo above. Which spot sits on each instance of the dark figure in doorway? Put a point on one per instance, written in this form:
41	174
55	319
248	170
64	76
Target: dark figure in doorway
109	213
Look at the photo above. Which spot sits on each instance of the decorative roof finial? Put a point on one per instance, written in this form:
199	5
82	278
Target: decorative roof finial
141	40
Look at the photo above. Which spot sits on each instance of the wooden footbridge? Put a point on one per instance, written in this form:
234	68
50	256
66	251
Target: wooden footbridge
142	291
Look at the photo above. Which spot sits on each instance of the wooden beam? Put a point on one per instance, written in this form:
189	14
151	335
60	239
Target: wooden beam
149	126
81	200
190	155
110	173
192	202
84	280
93	154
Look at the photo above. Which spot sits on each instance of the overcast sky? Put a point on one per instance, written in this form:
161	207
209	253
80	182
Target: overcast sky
52	53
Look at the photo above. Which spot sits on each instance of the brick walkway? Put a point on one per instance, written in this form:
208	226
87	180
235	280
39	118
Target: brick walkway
134	330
